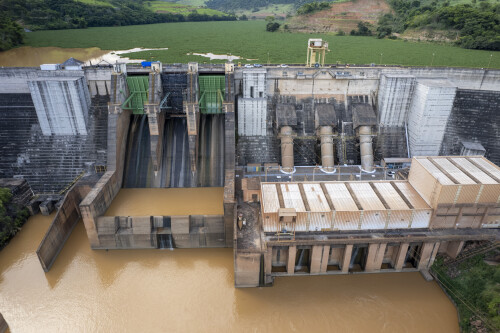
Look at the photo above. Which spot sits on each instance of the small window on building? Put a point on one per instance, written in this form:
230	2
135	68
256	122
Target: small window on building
251	92
261	94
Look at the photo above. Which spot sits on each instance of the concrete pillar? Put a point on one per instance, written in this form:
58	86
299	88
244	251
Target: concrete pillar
325	258
292	253
401	255
316	258
454	248
327	149
366	148
427	255
287	162
247	269
156	118
268	261
375	257
192	111
347	258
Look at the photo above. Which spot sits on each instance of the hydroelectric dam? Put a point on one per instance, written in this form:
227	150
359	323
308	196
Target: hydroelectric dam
302	170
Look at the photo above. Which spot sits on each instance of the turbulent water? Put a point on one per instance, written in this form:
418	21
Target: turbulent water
175	166
193	291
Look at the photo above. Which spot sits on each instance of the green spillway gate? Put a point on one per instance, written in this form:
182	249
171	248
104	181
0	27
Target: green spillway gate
138	87
212	89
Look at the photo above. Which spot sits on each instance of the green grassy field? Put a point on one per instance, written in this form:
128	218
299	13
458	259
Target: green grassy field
177	8
250	40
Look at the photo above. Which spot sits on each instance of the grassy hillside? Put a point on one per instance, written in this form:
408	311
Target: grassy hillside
271	10
178	8
250	40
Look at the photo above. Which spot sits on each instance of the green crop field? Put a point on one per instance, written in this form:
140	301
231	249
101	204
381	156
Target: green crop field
177	8
249	40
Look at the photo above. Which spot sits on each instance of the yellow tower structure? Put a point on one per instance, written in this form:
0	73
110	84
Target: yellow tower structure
316	49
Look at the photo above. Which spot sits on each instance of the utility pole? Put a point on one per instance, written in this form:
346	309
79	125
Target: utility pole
433	54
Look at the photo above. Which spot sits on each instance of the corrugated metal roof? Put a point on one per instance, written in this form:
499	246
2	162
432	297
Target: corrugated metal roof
411	195
485	165
292	197
340	196
391	196
366	196
270	199
316	198
453	171
436	173
474	171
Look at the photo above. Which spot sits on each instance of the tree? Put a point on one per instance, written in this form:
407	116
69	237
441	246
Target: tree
11	33
363	30
272	26
243	18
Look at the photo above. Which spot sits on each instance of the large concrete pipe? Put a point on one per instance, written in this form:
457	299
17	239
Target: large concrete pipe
286	136
366	149
327	150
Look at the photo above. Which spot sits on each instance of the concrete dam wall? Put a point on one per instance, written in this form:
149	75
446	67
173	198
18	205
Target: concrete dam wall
400	98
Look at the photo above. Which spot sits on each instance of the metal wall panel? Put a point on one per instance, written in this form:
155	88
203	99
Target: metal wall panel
373	220
399	219
421	218
346	220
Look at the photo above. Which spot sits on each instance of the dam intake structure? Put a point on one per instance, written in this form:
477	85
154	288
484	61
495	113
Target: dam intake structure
300	169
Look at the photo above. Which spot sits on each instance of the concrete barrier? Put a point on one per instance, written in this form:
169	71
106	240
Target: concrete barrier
66	218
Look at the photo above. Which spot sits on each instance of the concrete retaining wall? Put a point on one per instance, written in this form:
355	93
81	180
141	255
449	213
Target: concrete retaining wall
66	218
138	232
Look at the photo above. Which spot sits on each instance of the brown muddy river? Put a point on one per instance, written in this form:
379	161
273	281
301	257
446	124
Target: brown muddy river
192	291
28	56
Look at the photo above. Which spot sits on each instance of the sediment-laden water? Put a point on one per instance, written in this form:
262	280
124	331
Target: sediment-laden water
167	202
193	291
28	56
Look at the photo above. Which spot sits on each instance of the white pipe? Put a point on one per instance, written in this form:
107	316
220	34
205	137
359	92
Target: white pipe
327	150
366	149
287	162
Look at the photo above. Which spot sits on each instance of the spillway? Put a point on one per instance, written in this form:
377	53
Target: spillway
211	151
138	169
174	170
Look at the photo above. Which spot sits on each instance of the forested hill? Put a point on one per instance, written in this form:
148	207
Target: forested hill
68	14
73	14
